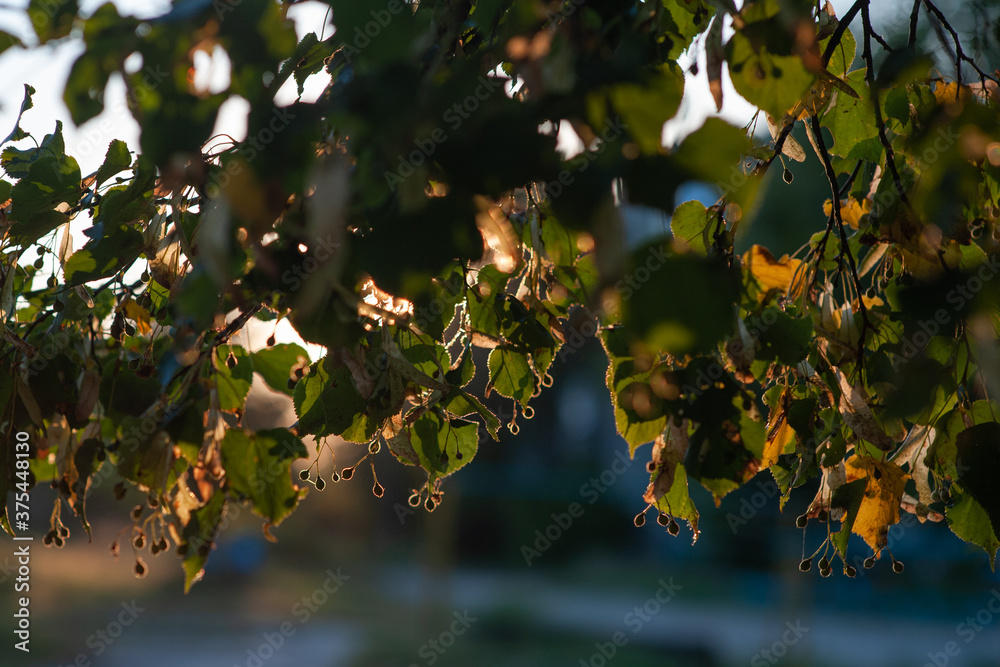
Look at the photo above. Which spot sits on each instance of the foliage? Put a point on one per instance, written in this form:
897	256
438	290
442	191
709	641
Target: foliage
419	223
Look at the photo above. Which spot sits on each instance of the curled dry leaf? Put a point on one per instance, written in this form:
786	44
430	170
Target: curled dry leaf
791	148
362	381
833	479
669	449
914	452
858	416
714	56
397	438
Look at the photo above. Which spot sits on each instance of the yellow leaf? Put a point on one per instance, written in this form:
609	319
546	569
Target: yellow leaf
851	211
948	93
925	261
139	315
780	436
773	274
880	504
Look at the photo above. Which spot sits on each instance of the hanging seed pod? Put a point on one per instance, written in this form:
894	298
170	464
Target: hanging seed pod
320	483
673	528
640	519
140	568
378	490
374	447
348	473
806	564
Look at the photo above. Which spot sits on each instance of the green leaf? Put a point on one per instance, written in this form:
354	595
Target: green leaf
719	463
258	467
677	321
692	223
684	20
50	181
677	501
847	497
463	404
972	523
773	82
852	121
233	383
511	374
117	160
103	257
8	40
146	455
199	534
788	340
464	371
17	133
943	455
274	364
645	107
843	54
307	399
639	413
978	460
443	445
109	40
52	19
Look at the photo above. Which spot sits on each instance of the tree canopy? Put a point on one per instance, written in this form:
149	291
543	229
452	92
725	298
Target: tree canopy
419	221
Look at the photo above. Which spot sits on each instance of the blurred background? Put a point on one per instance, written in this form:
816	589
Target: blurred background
508	571
532	558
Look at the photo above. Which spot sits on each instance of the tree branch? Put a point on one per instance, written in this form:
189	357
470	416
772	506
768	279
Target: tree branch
914	14
960	56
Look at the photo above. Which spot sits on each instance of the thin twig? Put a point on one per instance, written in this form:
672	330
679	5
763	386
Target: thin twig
879	121
845	248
